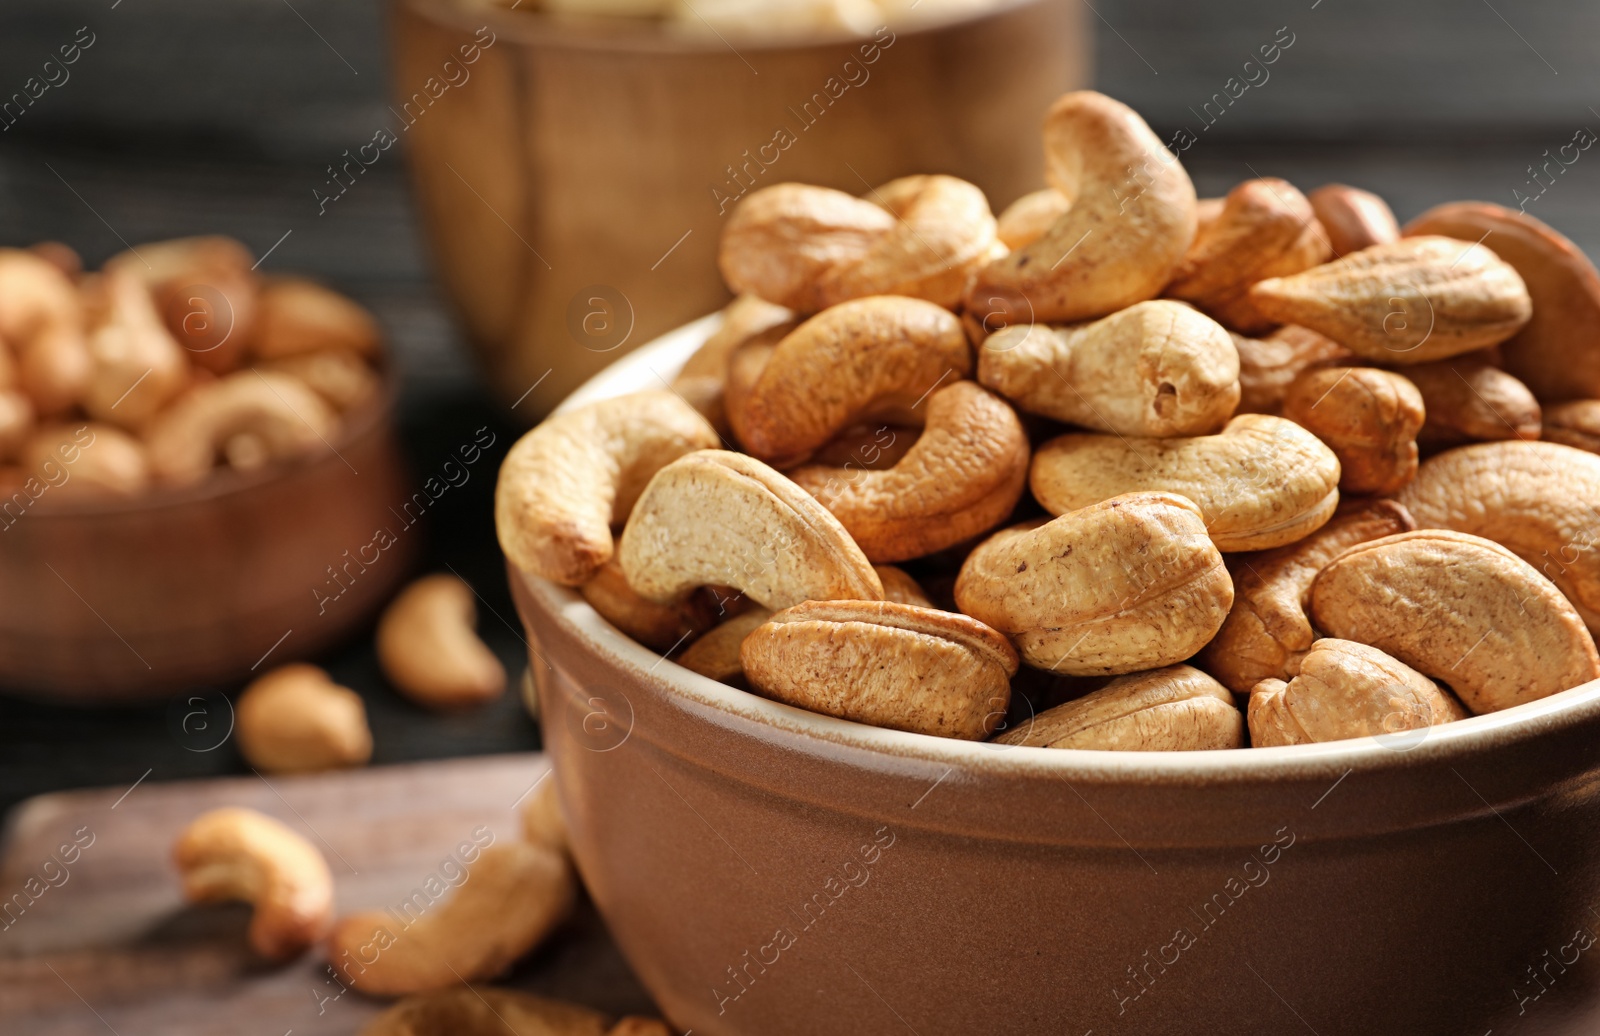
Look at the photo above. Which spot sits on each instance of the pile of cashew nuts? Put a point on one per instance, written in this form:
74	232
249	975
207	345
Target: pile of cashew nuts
1154	464
176	358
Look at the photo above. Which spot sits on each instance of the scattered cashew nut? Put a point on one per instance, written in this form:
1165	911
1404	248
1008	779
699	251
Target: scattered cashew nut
428	649
1174	709
295	719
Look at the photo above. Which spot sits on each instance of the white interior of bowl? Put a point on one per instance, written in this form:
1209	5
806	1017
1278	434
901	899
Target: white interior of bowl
653	365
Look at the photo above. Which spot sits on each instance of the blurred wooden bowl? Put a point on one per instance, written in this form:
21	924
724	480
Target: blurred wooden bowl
572	178
120	600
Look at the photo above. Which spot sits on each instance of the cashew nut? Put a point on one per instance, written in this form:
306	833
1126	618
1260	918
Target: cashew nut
1536	499
514	894
205	288
1467	398
566	483
1261	482
1267	633
809	248
1368	417
54	367
428	649
339	376
899	587
660	627
1405	302
721	518
1552	353
300	316
1344	690
137	367
704	375
964	475
1267	366
296	719
1461	609
34	294
1575	424
1266	229
1028	218
1353	219
1130	220
1156	368
90	458
891	665
1175	709
1073	599
241	854
850	363
487	1011
716	654
287	418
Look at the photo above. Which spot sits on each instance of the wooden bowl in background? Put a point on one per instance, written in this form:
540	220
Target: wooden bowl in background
123	600
567	181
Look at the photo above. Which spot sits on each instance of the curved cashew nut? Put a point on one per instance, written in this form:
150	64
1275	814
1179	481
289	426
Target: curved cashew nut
1575	424
205	289
963	475
1468	399
1267	633
339	376
566	483
1266	229
891	665
1156	368
1460	609
300	316
703	379
1368	417
716	655
1132	218
285	418
1268	366
845	365
1405	302
295	719
1551	354
137	367
490	1011
809	248
89	458
1536	499
1029	217
428	649
1261	482
725	519
241	854
1175	709
1353	219
514	895
1073	601
1346	690
660	627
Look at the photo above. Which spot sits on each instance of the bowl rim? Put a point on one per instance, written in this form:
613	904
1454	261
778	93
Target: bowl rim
626	34
652	365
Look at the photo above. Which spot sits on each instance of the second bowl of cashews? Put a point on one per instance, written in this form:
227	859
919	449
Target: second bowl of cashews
1107	616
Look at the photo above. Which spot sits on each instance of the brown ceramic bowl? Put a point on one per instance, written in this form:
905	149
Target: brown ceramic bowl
769	871
119	600
574	182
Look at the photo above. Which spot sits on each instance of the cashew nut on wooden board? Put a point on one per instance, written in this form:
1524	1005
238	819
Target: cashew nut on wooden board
1117	431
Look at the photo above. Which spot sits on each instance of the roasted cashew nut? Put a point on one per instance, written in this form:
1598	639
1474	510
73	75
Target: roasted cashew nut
34	294
429	650
1539	500
1029	217
660	627
1130	221
1265	229
1175	709
1268	632
1575	424
54	367
845	365
567	482
962	477
300	316
1468	399
891	665
1073	599
1154	369
1345	690
136	365
1261	482
716	518
231	853
514	894
87	458
716	654
1461	609
703	378
1353	219
1268	366
295	719
278	414
205	289
809	248
1409	301
1369	418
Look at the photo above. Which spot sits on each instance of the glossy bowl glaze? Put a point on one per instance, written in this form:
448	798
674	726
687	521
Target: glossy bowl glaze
769	872
119	600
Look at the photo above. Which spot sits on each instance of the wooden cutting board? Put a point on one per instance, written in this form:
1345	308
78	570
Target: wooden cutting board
107	943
